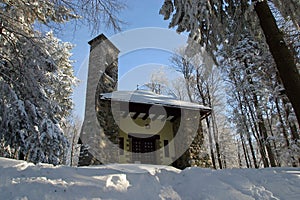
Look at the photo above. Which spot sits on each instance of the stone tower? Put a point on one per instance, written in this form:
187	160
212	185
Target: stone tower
102	78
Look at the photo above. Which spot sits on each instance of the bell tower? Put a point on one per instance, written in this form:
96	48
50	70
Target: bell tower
102	78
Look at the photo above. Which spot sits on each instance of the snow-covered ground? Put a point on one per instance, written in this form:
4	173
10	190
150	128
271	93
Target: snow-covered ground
22	180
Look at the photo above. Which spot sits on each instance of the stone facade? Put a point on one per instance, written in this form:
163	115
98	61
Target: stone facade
189	138
195	155
102	78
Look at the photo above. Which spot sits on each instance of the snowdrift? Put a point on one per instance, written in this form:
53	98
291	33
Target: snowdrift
22	180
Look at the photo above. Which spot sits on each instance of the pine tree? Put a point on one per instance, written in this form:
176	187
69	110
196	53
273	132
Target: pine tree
210	24
36	88
255	93
36	74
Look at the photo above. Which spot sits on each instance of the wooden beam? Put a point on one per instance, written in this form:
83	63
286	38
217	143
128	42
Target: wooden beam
160	117
173	119
135	115
145	117
153	116
164	118
170	118
131	114
141	115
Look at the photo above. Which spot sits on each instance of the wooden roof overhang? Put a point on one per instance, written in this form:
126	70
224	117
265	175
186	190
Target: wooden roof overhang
153	111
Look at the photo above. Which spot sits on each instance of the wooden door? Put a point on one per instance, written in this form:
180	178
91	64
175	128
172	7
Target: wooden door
143	150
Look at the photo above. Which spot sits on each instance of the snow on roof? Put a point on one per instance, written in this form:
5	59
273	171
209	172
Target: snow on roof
148	97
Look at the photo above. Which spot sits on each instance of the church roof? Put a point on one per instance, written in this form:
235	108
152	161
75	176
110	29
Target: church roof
151	98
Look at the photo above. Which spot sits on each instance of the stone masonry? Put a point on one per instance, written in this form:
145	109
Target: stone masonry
102	78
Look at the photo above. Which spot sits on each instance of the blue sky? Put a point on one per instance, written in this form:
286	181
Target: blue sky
145	42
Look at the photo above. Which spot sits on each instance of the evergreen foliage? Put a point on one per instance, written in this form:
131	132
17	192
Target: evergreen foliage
36	79
36	74
255	44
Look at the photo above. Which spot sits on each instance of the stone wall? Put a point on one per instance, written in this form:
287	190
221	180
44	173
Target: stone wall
189	141
102	78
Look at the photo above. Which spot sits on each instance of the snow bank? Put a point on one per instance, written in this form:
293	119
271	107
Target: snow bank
22	180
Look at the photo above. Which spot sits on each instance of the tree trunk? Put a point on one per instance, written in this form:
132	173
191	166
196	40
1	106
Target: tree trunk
283	56
216	138
247	129
213	159
246	154
239	156
214	127
260	120
284	131
245	150
249	120
203	97
292	126
255	130
263	131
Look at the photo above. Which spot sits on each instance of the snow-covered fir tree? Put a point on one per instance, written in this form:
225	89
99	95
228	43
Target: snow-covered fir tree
218	23
261	67
36	86
266	127
36	73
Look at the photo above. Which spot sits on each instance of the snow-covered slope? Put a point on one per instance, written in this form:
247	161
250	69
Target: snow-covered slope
21	180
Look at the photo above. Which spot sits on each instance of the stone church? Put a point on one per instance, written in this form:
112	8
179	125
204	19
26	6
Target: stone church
136	126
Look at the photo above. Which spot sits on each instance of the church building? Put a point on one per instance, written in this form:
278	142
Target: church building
136	126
